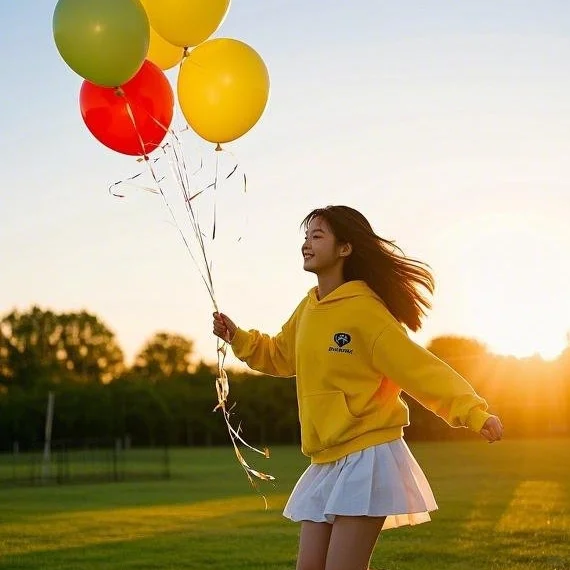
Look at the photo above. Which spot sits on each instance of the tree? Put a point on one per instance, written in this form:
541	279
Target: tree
467	356
89	348
39	347
457	348
164	356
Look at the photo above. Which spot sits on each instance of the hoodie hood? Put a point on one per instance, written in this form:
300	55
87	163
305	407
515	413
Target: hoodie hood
345	291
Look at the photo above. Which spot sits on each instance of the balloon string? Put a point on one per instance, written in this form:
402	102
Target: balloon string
184	183
222	382
215	194
129	181
213	185
208	282
178	166
219	150
180	172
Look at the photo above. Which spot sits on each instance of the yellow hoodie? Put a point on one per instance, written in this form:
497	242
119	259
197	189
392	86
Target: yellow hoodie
352	359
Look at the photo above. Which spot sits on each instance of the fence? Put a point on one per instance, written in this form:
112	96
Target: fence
83	461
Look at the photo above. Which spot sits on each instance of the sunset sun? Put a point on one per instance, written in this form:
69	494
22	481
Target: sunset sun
516	280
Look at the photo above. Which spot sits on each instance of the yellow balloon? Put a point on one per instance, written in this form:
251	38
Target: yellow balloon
223	87
186	23
160	52
163	54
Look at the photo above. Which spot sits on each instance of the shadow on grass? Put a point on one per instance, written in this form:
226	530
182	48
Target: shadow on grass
248	544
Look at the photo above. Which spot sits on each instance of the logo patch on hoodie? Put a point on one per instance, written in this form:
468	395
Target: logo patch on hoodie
341	339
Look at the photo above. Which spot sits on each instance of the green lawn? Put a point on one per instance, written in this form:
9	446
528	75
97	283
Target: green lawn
504	506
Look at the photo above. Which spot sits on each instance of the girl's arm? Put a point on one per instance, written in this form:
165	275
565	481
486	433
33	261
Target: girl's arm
270	355
429	380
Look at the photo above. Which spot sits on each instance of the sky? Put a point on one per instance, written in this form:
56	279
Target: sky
446	123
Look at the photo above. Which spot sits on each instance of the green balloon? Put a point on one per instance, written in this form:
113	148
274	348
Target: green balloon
104	41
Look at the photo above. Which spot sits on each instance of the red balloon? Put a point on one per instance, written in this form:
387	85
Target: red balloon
105	111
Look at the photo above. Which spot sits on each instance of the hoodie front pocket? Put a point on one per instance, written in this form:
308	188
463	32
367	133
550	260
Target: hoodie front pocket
327	421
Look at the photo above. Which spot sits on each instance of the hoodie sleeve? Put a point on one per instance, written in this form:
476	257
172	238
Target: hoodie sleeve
266	354
429	380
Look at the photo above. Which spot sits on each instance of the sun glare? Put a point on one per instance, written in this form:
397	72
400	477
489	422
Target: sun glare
516	283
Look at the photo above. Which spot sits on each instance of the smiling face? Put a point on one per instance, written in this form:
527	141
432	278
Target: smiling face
321	251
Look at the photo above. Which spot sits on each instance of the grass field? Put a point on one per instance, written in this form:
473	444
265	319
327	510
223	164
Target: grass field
502	507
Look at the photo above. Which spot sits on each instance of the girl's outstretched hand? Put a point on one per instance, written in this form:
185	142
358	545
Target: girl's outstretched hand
224	327
492	429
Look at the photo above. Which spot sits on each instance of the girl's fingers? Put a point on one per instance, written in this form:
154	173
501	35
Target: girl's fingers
489	435
497	429
220	329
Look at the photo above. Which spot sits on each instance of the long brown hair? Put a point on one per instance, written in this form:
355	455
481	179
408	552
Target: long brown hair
379	262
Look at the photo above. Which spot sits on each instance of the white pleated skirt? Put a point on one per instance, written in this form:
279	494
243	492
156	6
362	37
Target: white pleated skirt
380	481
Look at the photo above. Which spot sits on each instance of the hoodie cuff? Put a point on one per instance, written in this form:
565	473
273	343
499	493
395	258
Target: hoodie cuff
476	419
239	341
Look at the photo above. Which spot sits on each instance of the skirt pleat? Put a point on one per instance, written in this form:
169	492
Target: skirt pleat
380	481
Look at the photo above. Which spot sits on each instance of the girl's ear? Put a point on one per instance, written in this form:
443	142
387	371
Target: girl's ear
345	249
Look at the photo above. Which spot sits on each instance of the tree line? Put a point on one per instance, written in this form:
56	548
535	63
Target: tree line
164	398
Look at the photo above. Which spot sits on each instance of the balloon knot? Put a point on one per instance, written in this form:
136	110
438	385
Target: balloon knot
186	51
218	147
119	91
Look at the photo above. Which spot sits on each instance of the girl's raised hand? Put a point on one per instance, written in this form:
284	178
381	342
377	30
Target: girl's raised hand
224	327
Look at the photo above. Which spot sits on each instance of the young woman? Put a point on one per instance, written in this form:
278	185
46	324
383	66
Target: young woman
347	346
